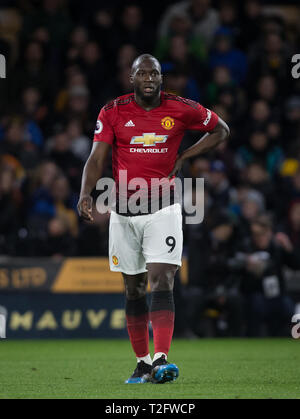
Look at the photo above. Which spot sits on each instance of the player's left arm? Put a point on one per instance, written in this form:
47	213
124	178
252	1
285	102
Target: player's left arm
206	143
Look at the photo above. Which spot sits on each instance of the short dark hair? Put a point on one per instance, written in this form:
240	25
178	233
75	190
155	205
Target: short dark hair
142	58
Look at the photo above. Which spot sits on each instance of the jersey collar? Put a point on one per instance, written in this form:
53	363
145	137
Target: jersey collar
162	100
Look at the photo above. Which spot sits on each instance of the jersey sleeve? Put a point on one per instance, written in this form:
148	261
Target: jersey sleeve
200	118
104	129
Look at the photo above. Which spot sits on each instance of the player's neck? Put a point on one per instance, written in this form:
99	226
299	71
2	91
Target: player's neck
148	104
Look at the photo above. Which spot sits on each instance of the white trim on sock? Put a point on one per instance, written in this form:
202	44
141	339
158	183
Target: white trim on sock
158	355
146	359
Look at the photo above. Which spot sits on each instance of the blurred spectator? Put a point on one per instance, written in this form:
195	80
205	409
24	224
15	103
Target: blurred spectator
180	59
214	305
78	103
126	55
291	225
258	179
222	81
53	17
291	129
65	203
77	42
260	150
59	242
205	19
289	191
74	78
224	54
251	26
224	153
119	86
31	71
9	220
261	261
271	56
40	204
41	35
101	24
200	167
62	155
252	206
92	65
246	204
267	90
218	184
260	115
181	26
179	83
133	30
16	142
35	112
229	18
80	144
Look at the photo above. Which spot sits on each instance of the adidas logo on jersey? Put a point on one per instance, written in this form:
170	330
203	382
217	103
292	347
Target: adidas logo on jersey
129	124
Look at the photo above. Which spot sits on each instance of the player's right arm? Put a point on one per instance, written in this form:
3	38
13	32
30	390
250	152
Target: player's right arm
93	169
91	173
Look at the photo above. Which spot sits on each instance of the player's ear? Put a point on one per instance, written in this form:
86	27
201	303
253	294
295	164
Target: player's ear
131	78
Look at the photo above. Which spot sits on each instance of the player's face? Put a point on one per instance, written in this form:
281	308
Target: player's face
147	79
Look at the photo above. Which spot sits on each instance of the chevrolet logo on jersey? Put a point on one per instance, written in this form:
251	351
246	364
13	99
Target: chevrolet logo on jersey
149	139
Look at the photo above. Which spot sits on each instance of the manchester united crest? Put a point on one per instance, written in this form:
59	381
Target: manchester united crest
167	122
115	260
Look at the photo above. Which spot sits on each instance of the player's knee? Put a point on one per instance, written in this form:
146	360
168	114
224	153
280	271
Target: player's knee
162	281
135	292
135	286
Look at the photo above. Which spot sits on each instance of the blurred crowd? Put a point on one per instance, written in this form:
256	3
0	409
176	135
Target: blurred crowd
65	60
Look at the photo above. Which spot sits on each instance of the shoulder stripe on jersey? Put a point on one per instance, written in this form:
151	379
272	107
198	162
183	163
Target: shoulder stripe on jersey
109	105
117	101
192	103
125	101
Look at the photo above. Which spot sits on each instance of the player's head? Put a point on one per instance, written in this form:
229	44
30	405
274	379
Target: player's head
146	77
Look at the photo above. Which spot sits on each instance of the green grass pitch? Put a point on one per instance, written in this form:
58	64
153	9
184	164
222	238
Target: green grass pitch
219	368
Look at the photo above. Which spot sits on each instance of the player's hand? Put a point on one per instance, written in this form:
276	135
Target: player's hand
177	166
84	207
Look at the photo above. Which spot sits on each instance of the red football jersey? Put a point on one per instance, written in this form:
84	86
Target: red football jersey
145	143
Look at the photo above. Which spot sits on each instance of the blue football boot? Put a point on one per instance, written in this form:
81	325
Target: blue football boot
141	375
162	371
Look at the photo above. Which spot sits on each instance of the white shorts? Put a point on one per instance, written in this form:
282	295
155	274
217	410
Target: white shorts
151	238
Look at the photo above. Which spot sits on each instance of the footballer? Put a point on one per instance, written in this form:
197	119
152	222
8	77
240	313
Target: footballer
144	130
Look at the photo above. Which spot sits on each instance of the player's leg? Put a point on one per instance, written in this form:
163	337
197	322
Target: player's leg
162	308
137	317
162	249
162	314
125	256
